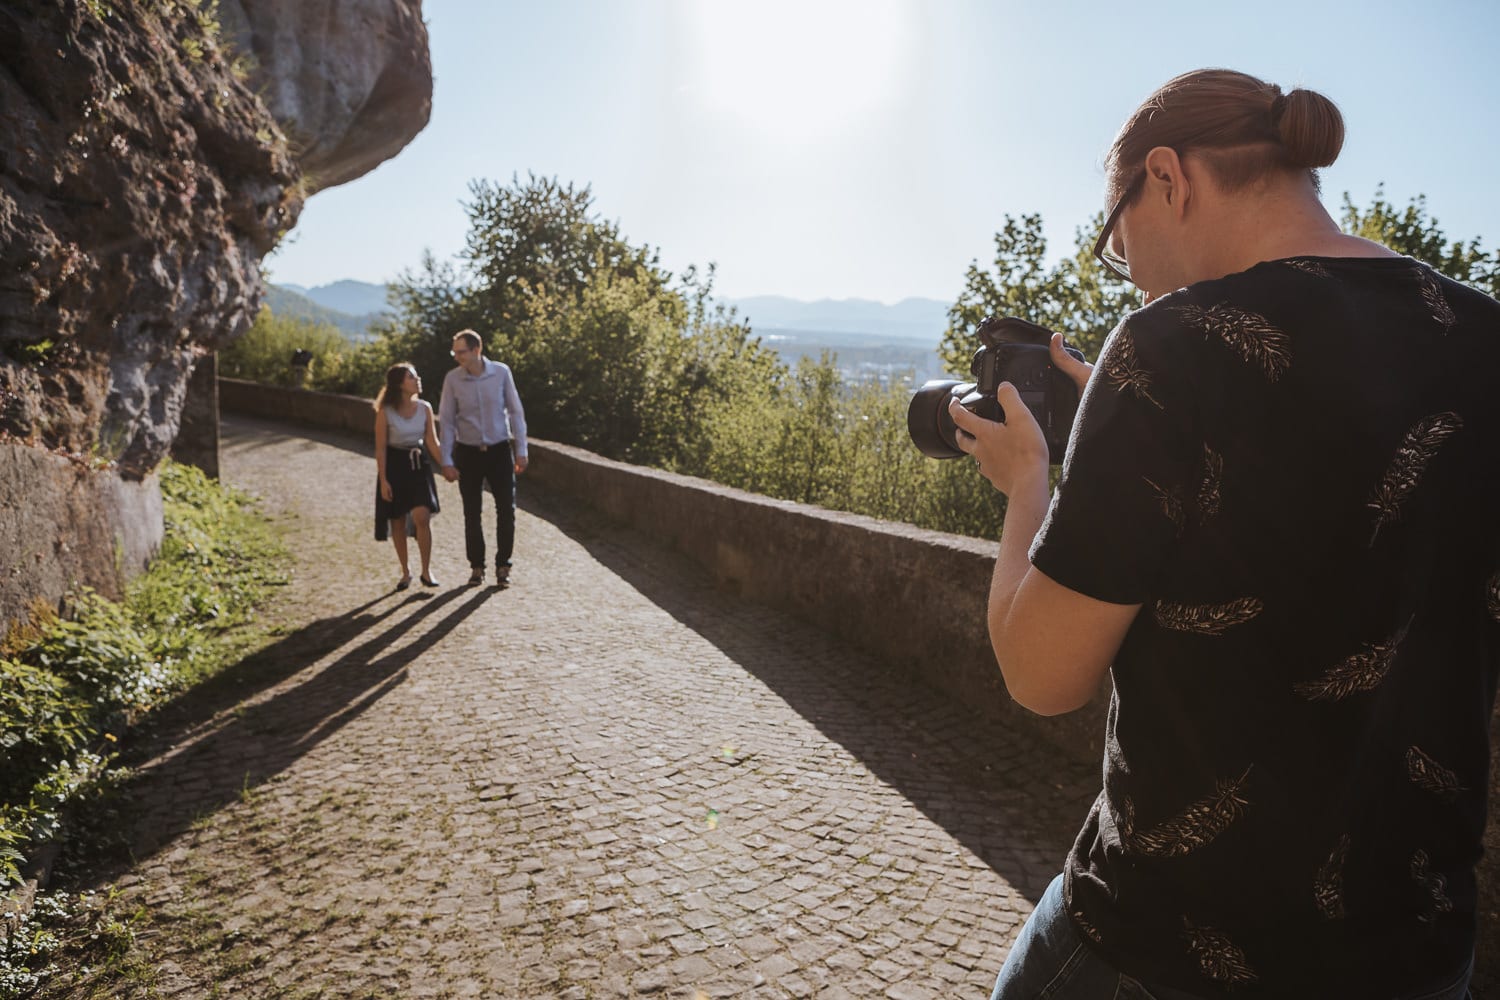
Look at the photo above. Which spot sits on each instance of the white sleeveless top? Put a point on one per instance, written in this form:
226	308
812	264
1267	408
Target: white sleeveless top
407	432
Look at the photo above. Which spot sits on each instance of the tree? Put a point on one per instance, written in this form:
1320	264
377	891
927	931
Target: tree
543	238
1078	298
1417	234
609	351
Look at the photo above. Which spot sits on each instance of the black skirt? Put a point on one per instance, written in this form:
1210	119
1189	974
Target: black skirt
409	471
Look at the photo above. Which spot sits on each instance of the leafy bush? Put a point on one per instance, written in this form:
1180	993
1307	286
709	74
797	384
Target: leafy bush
41	721
72	683
264	354
86	925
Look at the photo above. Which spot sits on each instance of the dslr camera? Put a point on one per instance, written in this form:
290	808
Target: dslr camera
1015	351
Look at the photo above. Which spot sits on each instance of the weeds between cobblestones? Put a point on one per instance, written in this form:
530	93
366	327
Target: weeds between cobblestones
607	780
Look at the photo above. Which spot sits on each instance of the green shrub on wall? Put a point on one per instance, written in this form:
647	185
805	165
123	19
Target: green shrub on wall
264	354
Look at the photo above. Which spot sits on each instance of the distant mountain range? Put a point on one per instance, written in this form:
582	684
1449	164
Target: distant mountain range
910	319
355	298
922	320
868	336
352	306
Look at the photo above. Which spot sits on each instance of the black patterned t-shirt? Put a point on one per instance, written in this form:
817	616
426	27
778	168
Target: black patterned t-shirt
1295	470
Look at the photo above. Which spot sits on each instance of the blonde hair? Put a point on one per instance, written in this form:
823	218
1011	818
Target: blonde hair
1243	126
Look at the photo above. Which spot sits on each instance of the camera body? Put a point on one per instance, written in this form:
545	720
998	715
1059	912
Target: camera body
1013	350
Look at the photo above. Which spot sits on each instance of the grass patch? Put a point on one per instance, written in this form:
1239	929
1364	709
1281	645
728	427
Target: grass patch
74	682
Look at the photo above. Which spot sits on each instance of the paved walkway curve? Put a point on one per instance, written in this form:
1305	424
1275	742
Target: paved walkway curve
606	780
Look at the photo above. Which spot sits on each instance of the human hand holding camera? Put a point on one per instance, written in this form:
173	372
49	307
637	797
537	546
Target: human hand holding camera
1014	452
1069	364
1011	455
1021	367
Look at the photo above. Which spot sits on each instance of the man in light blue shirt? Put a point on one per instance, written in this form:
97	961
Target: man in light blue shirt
483	442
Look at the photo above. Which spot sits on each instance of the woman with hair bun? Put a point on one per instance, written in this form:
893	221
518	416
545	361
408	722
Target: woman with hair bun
1276	531
405	486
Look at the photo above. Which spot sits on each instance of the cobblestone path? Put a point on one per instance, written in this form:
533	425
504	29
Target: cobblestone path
608	780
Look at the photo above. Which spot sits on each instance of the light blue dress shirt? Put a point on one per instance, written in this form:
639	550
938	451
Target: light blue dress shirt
480	410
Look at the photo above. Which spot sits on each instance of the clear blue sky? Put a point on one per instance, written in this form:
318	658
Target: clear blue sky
870	149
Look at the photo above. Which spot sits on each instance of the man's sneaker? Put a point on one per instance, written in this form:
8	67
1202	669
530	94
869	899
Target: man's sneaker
502	576
476	577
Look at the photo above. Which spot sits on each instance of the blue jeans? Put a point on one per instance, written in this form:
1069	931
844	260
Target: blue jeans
1050	962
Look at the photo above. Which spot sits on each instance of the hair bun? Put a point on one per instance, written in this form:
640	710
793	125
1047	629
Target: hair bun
1310	127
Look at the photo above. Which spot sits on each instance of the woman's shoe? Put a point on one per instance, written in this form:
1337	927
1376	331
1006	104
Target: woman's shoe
428	581
404	582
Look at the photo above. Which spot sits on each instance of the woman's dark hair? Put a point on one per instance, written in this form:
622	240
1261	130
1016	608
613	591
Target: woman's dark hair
390	393
1245	128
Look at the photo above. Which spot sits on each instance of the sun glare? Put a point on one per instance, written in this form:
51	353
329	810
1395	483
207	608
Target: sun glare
796	70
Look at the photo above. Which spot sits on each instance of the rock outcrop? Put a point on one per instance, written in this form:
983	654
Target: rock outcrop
151	153
348	81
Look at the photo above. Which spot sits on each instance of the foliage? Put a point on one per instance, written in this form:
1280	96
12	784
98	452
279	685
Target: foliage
264	354
72	683
542	240
1077	297
1412	231
812	439
88	927
609	350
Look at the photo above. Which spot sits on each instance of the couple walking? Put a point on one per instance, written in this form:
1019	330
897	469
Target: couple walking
482	442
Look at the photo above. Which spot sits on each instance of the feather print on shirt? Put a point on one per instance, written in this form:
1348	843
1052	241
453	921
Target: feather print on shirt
1212	483
1089	930
1197	825
1430	776
1404	474
1206	619
1433	884
1123	369
1361	672
1217	956
1437	304
1248	334
1170	502
1309	267
1328	887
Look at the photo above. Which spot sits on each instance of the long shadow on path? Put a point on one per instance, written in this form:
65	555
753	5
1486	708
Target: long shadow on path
210	750
1014	803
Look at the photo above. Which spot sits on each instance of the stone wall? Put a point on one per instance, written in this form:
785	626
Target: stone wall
916	598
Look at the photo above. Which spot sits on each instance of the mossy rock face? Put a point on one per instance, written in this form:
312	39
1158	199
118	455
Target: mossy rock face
143	175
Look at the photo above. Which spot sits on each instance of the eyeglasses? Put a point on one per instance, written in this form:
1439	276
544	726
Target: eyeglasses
1103	250
458	352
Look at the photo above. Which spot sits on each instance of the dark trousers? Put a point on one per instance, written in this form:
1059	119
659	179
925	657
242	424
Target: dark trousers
496	467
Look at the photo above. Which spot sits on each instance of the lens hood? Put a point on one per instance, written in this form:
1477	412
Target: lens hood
928	422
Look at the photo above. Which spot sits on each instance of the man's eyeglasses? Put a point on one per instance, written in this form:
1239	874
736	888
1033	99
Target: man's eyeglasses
1103	249
458	352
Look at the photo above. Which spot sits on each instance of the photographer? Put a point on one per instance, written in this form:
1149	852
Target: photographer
1276	529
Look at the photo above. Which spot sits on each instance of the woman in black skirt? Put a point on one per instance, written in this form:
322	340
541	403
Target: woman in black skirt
405	485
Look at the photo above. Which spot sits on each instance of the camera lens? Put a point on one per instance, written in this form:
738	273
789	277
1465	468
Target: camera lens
927	419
